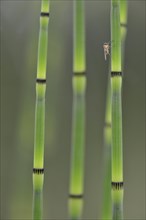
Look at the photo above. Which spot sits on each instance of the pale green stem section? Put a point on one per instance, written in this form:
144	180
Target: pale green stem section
43	41
123	22
78	142
117	150
79	62
106	209
78	119
115	36
38	164
117	195
123	11
37	205
116	97
78	136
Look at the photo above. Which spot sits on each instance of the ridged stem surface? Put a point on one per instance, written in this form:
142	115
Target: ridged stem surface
116	98
78	118
38	164
106	208
123	24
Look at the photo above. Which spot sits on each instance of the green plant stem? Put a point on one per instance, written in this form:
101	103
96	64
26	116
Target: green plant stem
78	120
106	207
79	61
38	164
123	24
78	136
116	96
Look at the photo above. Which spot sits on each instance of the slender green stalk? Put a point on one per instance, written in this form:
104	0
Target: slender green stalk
38	165
106	209
123	23
106	212
78	128
116	87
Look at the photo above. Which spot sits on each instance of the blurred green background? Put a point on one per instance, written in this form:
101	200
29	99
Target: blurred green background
19	40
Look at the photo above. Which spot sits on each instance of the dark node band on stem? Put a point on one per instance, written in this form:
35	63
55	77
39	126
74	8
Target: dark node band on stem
116	73
117	185
41	81
108	124
38	170
123	25
75	196
79	73
44	14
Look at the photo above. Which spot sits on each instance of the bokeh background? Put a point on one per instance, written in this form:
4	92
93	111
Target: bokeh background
19	41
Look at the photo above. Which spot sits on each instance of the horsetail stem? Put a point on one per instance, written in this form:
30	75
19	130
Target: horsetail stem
78	127
123	23
79	62
38	164
116	96
106	209
106	213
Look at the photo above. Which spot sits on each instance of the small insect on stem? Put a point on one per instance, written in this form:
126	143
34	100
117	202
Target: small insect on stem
106	47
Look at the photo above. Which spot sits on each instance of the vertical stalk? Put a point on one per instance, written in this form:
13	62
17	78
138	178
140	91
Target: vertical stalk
106	209
116	97
106	212
78	120
123	24
38	164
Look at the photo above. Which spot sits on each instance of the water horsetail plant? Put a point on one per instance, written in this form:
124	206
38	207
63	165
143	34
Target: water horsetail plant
78	120
123	23
116	87
106	212
38	165
106	206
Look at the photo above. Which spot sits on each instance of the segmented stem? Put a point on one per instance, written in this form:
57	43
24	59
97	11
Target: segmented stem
123	24
106	209
78	120
116	90
38	164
